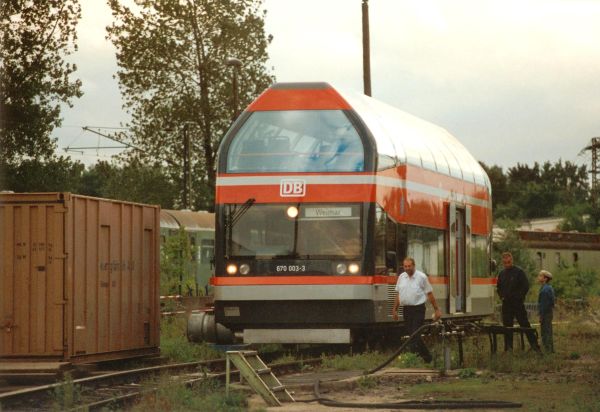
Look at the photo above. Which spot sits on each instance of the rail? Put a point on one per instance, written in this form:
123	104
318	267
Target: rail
119	388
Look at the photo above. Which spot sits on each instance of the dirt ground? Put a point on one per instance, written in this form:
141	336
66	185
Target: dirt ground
388	386
563	381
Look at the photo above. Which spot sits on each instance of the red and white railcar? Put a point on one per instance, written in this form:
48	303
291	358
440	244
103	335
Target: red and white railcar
320	195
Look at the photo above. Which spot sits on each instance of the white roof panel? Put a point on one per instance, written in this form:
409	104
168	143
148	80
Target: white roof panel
410	140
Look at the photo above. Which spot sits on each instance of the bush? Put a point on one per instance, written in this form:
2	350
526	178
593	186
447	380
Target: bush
573	283
175	346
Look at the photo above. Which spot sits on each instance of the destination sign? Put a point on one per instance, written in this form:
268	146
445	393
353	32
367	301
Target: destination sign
327	212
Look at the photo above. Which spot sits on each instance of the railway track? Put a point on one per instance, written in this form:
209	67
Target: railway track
124	387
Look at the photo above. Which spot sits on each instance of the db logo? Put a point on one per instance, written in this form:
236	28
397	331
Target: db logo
292	188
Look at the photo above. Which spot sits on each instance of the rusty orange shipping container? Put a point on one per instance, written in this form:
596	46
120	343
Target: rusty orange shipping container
78	277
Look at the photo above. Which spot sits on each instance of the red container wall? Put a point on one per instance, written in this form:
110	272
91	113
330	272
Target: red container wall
88	267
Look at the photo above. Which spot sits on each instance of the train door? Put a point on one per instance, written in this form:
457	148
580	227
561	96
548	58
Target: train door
459	286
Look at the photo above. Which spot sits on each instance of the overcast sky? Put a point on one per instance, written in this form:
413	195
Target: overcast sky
514	81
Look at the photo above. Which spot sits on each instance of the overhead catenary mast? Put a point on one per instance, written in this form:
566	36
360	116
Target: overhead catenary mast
594	147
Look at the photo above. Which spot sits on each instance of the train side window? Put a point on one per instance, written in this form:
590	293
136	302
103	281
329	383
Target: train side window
426	246
479	256
391	257
380	218
207	247
390	243
193	247
540	260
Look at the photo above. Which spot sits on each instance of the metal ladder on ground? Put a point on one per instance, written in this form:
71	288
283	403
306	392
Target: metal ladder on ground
258	375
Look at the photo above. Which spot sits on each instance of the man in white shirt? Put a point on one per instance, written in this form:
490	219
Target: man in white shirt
413	289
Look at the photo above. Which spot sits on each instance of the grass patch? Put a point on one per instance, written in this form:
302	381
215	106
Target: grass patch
366	383
534	394
361	361
206	396
369	360
67	395
175	346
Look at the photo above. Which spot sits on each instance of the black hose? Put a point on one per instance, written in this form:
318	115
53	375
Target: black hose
402	347
441	404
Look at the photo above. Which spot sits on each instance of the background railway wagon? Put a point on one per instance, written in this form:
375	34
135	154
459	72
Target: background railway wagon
200	229
79	278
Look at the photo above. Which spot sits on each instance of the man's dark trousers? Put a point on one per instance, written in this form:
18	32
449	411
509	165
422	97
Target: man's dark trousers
414	317
510	311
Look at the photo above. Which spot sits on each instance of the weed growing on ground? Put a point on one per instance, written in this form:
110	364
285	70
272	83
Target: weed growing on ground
366	383
361	361
467	373
66	395
288	357
408	360
172	396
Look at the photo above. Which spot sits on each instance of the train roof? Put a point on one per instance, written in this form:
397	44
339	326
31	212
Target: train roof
167	221
191	221
400	138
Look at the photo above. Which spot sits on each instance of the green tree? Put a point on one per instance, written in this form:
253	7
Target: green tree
58	174
95	178
509	241
499	184
550	189
35	78
573	283
171	56
176	275
137	183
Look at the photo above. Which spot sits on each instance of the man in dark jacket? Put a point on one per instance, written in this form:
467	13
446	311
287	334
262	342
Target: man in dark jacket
512	287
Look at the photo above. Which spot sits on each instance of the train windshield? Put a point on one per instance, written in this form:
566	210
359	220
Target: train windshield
296	141
318	231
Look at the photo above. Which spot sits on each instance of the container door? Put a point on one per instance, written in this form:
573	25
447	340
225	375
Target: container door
32	267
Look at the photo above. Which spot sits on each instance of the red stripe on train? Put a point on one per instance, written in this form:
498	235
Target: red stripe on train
327	280
299	99
314	194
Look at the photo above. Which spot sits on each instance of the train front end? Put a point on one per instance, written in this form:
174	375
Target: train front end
295	192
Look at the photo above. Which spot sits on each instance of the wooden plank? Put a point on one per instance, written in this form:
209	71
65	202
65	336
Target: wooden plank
6	279
148	257
56	268
78	300
104	289
126	307
22	282
114	305
92	266
39	340
136	278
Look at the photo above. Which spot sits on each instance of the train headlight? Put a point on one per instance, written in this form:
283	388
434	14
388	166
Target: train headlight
353	268
231	269
340	268
292	212
244	269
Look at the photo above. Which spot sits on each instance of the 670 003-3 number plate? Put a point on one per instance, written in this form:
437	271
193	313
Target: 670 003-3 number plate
290	268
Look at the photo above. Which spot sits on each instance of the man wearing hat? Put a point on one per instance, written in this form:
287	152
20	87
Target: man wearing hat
545	309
